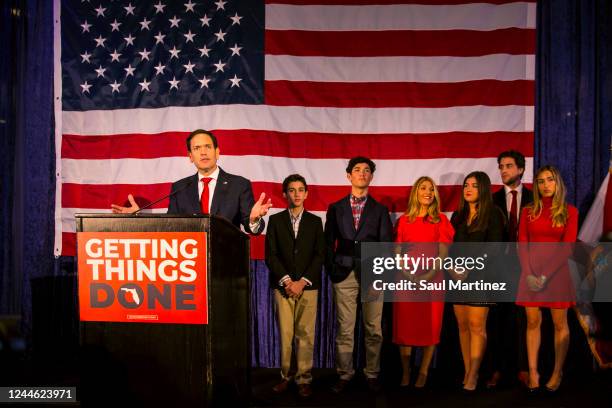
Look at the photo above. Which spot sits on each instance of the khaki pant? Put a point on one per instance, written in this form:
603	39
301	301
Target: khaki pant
346	295
296	321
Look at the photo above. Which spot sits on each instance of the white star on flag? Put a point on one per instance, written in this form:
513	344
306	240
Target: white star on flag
205	20
174	22
115	25
174	83
86	57
144	54
129	9
235	50
115	86
220	65
100	71
159	68
144	24
236	19
220	35
100	11
159	8
129	70
129	39
174	52
144	85
204	82
189	67
85	87
220	4
235	81
115	56
159	38
189	37
100	41
189	6
204	51
85	26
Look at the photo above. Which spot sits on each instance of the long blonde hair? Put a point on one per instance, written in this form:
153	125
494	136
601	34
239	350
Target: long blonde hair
558	211
433	211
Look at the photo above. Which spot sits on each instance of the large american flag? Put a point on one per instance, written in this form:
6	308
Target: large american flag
431	87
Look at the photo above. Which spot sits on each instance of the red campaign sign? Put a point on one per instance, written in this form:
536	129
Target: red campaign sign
147	277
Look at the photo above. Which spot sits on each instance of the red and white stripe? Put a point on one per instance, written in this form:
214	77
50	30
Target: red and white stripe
437	88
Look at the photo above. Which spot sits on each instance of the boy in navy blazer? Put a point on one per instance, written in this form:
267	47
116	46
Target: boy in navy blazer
354	219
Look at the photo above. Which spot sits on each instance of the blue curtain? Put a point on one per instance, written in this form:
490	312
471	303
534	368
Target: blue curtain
28	170
573	128
574	93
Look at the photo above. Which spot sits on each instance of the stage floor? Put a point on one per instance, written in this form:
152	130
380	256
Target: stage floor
588	391
583	390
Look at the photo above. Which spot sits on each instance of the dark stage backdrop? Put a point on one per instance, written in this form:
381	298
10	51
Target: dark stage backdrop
573	130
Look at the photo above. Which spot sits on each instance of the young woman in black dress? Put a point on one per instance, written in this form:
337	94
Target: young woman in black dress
476	220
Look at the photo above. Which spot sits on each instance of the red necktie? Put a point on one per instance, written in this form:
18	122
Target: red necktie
204	196
512	222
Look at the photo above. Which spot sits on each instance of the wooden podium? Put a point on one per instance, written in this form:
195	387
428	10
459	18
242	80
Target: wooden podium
140	363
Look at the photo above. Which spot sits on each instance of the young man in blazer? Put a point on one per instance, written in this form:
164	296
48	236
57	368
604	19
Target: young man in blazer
295	251
211	190
354	219
514	195
507	322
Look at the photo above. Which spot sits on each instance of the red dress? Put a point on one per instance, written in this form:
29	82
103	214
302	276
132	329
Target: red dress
558	292
419	323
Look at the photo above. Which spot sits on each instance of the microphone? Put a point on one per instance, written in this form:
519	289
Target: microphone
164	197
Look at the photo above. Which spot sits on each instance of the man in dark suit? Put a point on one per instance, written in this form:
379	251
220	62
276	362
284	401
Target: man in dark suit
295	251
354	219
507	325
211	190
514	195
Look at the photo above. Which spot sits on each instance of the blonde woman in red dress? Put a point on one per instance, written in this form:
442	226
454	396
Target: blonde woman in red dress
418	324
545	278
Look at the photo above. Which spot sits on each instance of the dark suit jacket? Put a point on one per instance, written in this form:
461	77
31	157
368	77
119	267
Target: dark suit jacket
499	199
297	257
343	253
232	199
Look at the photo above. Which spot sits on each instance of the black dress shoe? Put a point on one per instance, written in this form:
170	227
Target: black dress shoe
281	387
534	390
466	391
304	390
374	385
339	386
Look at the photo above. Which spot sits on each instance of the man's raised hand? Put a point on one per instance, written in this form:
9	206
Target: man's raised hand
260	208
117	209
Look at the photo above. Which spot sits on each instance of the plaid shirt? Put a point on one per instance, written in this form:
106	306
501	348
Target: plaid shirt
357	204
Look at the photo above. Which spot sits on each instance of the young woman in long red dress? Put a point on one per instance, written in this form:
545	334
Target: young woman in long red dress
418	324
549	285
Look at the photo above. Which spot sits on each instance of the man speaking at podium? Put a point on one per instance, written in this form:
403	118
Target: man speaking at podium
211	190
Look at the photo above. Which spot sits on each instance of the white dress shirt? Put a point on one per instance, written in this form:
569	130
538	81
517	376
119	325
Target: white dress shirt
211	185
211	192
295	223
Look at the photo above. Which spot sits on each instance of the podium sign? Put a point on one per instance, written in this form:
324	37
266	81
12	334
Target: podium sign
164	309
147	277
